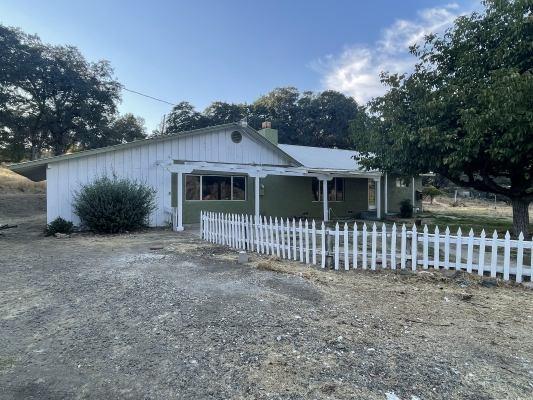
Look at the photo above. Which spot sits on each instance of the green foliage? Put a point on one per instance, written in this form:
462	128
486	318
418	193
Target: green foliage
313	119
114	205
431	192
406	208
59	225
467	110
121	129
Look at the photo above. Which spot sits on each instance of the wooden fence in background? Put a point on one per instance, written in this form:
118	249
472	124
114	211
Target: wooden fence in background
360	246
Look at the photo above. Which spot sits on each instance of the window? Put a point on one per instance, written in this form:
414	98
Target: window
371	194
400	182
335	189
213	187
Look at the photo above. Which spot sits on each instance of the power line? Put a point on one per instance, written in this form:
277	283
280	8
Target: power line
146	95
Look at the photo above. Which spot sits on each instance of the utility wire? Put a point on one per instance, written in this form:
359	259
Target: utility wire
146	95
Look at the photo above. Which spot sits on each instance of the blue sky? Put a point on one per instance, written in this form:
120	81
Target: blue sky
235	50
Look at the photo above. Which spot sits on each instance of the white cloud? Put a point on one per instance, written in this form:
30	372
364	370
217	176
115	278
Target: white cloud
356	71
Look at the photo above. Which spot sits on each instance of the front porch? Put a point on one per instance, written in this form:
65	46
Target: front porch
290	192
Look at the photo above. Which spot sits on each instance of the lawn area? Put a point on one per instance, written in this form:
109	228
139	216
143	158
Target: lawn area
476	214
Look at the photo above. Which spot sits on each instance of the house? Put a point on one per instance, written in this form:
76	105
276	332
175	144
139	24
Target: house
227	168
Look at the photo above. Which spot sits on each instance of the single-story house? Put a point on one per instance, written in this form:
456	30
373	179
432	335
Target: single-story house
228	168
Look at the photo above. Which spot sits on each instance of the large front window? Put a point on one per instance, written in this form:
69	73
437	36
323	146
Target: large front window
335	189
215	187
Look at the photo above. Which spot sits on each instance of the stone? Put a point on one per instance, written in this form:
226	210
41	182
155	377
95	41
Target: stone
243	257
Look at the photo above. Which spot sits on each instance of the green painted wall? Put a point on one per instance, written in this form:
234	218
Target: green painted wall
284	196
192	208
293	197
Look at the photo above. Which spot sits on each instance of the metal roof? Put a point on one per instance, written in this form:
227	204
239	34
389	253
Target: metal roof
323	158
36	169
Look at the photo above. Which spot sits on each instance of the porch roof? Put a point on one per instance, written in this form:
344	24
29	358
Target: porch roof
265	170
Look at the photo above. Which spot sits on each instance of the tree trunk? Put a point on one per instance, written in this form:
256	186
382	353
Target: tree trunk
520	217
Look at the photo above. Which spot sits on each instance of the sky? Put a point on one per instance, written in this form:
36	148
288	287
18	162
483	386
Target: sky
237	50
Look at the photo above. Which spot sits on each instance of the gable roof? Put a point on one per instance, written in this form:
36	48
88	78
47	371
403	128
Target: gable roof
36	169
323	158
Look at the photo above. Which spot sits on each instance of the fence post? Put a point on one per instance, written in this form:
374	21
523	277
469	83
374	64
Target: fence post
458	249
403	247
374	246
506	256
494	254
470	251
354	248
323	262
393	247
364	246
425	247
520	257
336	248
414	248
436	249
481	260
447	248
346	248
202	225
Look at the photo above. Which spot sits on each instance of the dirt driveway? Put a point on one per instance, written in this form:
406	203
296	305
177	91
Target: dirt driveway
96	317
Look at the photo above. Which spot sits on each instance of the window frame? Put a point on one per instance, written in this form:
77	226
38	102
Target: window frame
320	200
217	175
400	183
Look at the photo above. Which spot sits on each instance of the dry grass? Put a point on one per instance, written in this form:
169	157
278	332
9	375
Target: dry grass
11	182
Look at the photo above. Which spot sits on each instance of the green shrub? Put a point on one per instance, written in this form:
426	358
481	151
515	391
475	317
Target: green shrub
406	208
59	225
114	205
431	192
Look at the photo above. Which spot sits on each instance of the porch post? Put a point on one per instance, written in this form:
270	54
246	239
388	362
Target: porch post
179	216
325	199
386	193
414	196
378	197
256	188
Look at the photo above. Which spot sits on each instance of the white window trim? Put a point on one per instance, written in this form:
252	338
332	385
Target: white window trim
400	183
231	176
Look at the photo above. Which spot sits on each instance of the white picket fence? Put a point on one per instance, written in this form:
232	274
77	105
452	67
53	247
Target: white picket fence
356	246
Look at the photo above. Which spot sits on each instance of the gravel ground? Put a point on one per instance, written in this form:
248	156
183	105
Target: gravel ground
104	317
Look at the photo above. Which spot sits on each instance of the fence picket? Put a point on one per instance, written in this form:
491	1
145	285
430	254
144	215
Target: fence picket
301	234
282	234
425	247
458	249
313	241
436	248
336	248
519	257
260	237
374	247
506	256
294	242
481	258
447	248
276	228
414	248
470	251
393	247
289	248
494	254
383	246
403	245
346	248
306	227
354	246
364	246
271	230
323	262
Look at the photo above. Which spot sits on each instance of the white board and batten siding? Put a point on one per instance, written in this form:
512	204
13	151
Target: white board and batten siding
144	164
